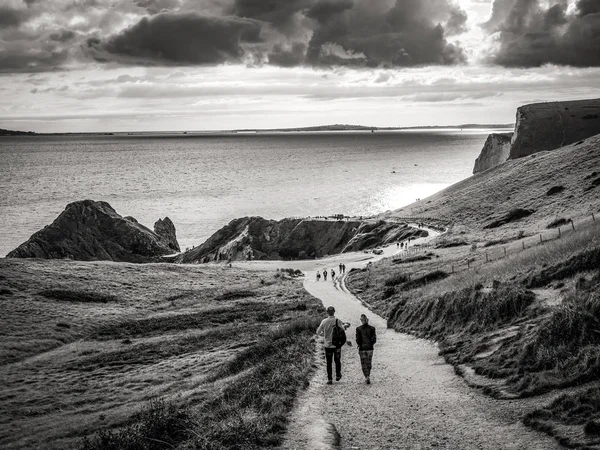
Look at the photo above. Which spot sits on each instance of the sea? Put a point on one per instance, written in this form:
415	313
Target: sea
203	181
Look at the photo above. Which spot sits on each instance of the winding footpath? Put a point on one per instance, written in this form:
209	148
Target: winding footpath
415	401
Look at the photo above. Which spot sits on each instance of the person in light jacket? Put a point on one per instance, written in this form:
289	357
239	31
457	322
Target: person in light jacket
331	351
365	339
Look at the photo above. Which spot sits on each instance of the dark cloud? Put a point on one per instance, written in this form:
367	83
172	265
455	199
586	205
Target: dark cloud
531	34
179	39
324	10
10	17
20	59
285	33
62	36
276	12
410	33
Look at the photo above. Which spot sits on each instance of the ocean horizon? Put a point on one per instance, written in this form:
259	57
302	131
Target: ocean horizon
203	182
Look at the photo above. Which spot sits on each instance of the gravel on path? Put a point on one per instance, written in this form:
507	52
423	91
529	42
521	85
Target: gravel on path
415	401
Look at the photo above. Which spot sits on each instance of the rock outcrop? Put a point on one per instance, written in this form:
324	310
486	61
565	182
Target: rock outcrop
166	230
88	231
495	151
260	239
548	126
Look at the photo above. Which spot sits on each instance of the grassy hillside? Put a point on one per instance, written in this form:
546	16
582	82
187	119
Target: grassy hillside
517	316
552	184
129	355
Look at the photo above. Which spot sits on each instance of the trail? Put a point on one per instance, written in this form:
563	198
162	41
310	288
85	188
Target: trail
415	400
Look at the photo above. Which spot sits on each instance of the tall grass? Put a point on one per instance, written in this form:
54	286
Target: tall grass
158	426
469	310
250	412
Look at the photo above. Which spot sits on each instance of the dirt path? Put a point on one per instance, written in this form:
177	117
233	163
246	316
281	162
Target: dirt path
415	402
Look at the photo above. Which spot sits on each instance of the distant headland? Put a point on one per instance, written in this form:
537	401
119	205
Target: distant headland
319	128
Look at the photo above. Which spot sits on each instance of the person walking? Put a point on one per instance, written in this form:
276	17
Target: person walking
324	274
365	339
333	275
333	344
318	275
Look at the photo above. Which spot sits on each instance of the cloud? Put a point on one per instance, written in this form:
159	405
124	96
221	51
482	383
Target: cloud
404	33
12	17
176	38
37	35
530	33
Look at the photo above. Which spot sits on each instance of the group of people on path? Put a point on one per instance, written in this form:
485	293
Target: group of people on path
333	331
342	271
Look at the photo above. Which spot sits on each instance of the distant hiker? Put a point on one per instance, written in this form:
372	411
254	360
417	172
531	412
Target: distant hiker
325	274
365	339
318	276
397	245
332	329
333	275
341	268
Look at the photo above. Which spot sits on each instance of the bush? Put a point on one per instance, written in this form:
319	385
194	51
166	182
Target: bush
396	279
510	216
558	223
158	426
582	262
65	295
233	295
430	277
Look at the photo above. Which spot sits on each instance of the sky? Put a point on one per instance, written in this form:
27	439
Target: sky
174	65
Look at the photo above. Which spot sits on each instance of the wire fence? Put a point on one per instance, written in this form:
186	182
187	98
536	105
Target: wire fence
499	251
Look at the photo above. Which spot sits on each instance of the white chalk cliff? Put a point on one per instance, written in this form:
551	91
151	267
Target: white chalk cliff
495	151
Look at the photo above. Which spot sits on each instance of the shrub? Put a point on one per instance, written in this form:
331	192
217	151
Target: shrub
158	426
233	295
510	216
555	190
396	279
430	277
65	295
558	222
582	262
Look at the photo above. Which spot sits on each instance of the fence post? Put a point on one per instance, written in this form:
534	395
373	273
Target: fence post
572	225
541	239
468	264
523	242
505	252
593	217
452	269
559	235
486	258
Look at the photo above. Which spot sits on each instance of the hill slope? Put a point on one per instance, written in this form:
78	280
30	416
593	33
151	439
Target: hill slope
563	182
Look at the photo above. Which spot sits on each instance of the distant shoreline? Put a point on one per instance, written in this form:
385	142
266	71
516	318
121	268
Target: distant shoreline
250	131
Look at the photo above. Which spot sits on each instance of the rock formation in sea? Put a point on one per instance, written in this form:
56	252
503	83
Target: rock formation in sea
256	238
548	126
88	230
166	230
495	151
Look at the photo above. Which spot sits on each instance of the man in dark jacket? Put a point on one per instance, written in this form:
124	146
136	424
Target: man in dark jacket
365	339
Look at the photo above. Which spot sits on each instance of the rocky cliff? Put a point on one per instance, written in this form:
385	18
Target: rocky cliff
257	238
495	151
548	126
166	230
89	230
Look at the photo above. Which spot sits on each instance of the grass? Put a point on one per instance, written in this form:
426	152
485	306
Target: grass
159	425
530	323
74	369
250	412
577	412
